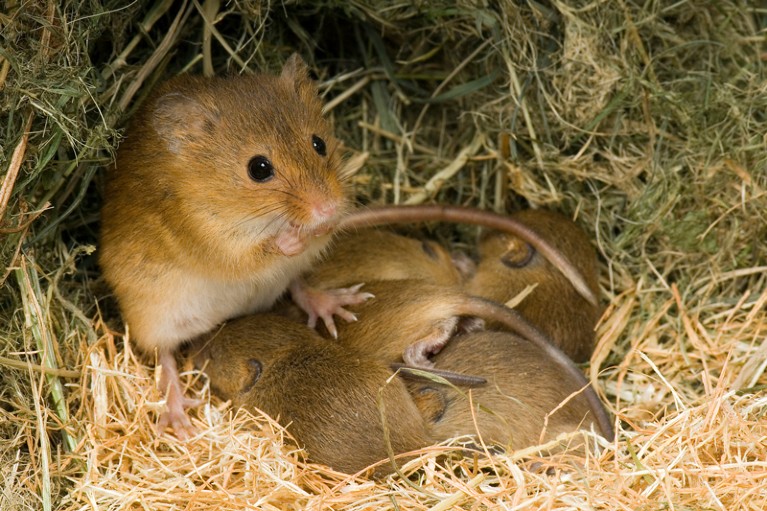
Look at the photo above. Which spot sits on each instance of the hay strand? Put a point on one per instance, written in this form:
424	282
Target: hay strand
644	123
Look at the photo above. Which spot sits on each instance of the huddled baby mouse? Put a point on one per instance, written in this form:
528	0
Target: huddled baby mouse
521	400
371	255
368	255
222	194
389	215
416	307
331	398
415	321
508	265
334	399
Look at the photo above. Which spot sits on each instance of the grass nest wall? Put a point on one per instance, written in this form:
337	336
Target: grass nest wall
644	121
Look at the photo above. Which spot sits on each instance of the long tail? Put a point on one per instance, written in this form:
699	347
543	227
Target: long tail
511	319
385	215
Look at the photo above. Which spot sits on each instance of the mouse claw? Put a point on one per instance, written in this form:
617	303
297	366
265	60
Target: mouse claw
344	314
175	417
324	304
354	288
331	326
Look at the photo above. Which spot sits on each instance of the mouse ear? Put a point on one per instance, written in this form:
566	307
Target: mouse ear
295	72
180	120
352	165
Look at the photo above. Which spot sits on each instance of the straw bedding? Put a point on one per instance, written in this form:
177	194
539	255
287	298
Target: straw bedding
643	121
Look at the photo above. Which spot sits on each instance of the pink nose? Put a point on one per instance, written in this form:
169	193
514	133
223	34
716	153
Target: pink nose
324	211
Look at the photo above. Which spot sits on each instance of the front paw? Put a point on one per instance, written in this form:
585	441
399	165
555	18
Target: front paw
324	304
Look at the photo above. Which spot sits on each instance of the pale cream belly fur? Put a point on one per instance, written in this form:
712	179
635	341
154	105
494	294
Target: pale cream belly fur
199	303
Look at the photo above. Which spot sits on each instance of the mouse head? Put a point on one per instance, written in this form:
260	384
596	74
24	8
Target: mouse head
245	350
272	363
253	153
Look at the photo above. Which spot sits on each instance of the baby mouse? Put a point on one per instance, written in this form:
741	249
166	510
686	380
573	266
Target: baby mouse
368	255
508	265
329	397
524	385
413	320
222	194
386	215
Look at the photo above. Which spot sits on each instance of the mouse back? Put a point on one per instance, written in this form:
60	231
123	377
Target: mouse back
523	387
400	313
376	254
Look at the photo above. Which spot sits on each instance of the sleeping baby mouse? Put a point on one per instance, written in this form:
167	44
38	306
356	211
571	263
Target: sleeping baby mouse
527	398
369	255
508	265
335	401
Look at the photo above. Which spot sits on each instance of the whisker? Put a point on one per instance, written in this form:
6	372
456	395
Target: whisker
259	214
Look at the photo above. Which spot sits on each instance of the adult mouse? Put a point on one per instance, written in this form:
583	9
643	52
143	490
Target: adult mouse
527	399
222	194
508	265
332	399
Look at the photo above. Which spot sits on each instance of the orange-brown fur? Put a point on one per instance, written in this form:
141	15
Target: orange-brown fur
410	320
188	238
524	385
331	397
388	215
325	394
369	255
402	313
189	210
554	305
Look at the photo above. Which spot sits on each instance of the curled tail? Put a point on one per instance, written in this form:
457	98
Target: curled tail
385	215
514	321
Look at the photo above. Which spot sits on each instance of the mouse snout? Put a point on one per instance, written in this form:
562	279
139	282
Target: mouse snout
323	211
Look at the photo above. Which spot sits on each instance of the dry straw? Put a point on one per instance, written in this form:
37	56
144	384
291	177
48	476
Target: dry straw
645	121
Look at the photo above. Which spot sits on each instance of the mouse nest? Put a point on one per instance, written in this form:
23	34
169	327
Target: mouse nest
643	121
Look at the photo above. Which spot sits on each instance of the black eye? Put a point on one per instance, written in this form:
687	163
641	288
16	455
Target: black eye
260	169
319	145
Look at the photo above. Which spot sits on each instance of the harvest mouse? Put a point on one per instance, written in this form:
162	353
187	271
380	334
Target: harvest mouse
508	265
413	320
387	215
369	255
374	254
524	385
222	194
330	398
